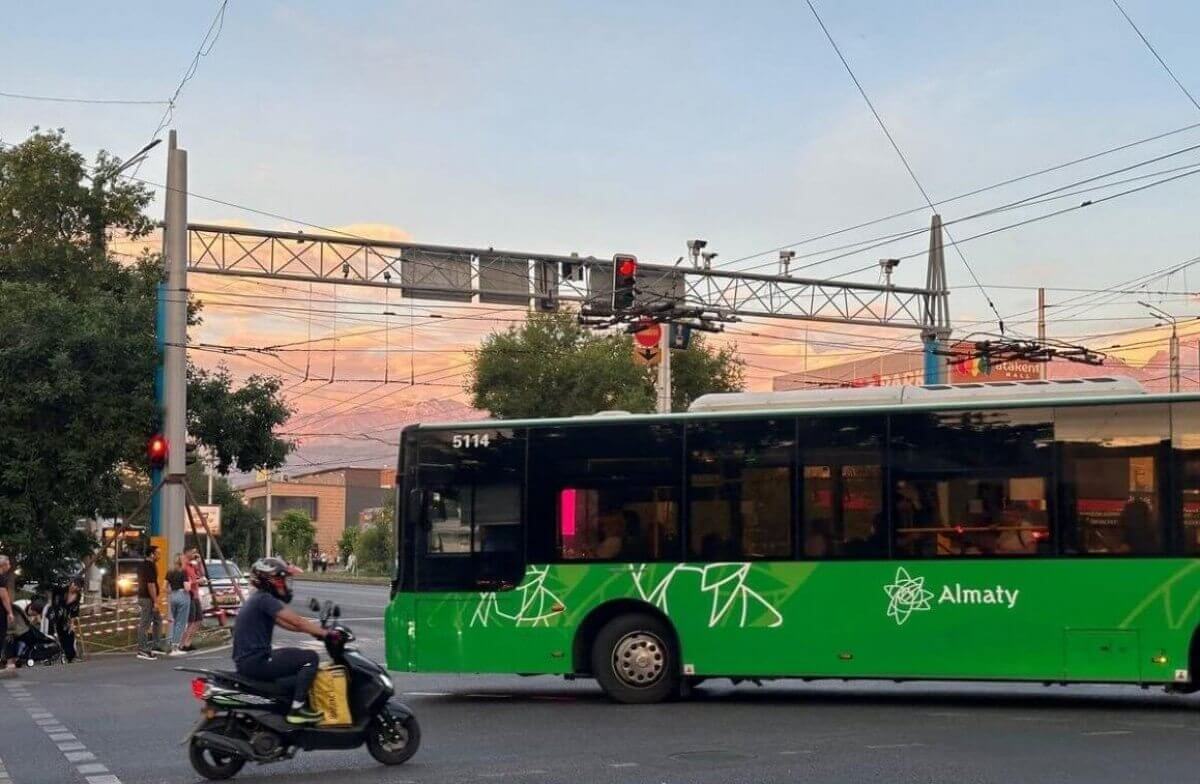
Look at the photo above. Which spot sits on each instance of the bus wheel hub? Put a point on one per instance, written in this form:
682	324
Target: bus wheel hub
638	659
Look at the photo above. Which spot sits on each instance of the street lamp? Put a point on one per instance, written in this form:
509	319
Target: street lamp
98	181
1174	344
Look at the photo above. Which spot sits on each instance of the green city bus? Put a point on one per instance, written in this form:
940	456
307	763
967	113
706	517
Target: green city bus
1043	531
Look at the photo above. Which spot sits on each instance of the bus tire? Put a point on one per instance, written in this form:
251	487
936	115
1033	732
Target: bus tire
635	659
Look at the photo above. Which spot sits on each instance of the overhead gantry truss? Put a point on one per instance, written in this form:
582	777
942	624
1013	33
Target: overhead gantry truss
542	281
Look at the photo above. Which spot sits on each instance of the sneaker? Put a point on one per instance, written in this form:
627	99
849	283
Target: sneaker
146	655
178	652
305	715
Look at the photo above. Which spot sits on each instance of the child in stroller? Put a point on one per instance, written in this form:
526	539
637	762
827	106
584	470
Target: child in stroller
28	645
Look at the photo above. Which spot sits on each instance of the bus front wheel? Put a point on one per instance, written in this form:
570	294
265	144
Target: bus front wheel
634	658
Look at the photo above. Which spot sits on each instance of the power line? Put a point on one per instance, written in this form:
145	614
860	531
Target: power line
903	159
967	194
1157	56
60	99
206	46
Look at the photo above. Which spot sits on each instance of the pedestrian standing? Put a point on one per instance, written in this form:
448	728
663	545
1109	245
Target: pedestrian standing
195	573
8	592
149	620
64	609
180	601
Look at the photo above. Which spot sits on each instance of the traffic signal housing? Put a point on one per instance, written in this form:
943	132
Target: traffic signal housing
156	450
625	268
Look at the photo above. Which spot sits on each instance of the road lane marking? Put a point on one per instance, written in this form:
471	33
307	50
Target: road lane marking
623	765
803	751
426	694
72	749
895	745
1108	732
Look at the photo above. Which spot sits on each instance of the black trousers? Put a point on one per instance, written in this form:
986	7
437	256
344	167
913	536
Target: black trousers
284	663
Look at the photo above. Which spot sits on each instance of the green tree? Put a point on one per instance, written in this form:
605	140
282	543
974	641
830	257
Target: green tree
294	535
78	355
348	542
552	366
375	549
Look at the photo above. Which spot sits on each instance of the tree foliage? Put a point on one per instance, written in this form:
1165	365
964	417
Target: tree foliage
294	535
552	366
78	355
376	544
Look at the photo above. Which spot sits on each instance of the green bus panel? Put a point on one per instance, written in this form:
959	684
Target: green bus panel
1080	619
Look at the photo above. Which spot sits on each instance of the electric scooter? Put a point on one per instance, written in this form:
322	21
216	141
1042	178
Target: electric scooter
244	719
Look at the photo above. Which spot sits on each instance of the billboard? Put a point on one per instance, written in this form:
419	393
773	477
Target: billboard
211	515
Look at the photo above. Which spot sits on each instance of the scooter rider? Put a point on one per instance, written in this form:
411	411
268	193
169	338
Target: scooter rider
256	621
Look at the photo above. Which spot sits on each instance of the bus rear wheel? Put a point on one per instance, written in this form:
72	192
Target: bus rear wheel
634	658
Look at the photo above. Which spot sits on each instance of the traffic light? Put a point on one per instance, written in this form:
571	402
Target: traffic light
156	450
624	279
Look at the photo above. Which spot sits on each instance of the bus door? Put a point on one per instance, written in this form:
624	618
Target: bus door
469	543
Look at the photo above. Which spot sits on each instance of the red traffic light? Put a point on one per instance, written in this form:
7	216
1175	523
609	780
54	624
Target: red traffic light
624	281
156	450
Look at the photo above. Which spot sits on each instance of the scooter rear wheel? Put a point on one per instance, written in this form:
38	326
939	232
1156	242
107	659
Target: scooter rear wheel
392	739
210	763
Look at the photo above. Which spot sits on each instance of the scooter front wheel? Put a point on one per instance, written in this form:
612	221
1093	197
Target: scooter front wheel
393	739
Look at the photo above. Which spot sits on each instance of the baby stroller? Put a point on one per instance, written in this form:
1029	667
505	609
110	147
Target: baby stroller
27	643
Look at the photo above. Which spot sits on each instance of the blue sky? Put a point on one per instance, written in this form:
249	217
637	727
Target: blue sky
633	126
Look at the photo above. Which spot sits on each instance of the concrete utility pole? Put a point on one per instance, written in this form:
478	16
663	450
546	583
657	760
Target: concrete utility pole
1173	344
664	370
174	344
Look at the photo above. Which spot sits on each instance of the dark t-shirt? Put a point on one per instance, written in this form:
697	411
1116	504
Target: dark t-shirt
254	626
147	574
175	579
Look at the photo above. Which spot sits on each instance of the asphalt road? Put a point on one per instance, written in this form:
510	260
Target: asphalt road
117	719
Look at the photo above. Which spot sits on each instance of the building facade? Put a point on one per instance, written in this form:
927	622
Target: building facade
335	499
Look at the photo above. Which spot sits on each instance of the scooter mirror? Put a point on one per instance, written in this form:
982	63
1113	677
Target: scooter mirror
337	611
314	605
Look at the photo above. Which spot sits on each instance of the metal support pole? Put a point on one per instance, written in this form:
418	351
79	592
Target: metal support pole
268	523
1174	359
160	336
664	371
175	245
936	316
1042	369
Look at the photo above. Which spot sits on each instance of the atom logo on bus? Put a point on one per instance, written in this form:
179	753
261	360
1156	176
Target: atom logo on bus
906	595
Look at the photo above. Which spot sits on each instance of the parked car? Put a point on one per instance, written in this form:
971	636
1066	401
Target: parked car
218	592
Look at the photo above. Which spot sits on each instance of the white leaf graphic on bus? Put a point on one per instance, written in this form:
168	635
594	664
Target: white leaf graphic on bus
538	603
726	582
906	596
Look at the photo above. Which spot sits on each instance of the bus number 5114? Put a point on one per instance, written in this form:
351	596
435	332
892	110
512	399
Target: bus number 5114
469	440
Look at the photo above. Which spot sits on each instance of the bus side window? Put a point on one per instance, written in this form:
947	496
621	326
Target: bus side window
1112	474
841	479
606	493
971	483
